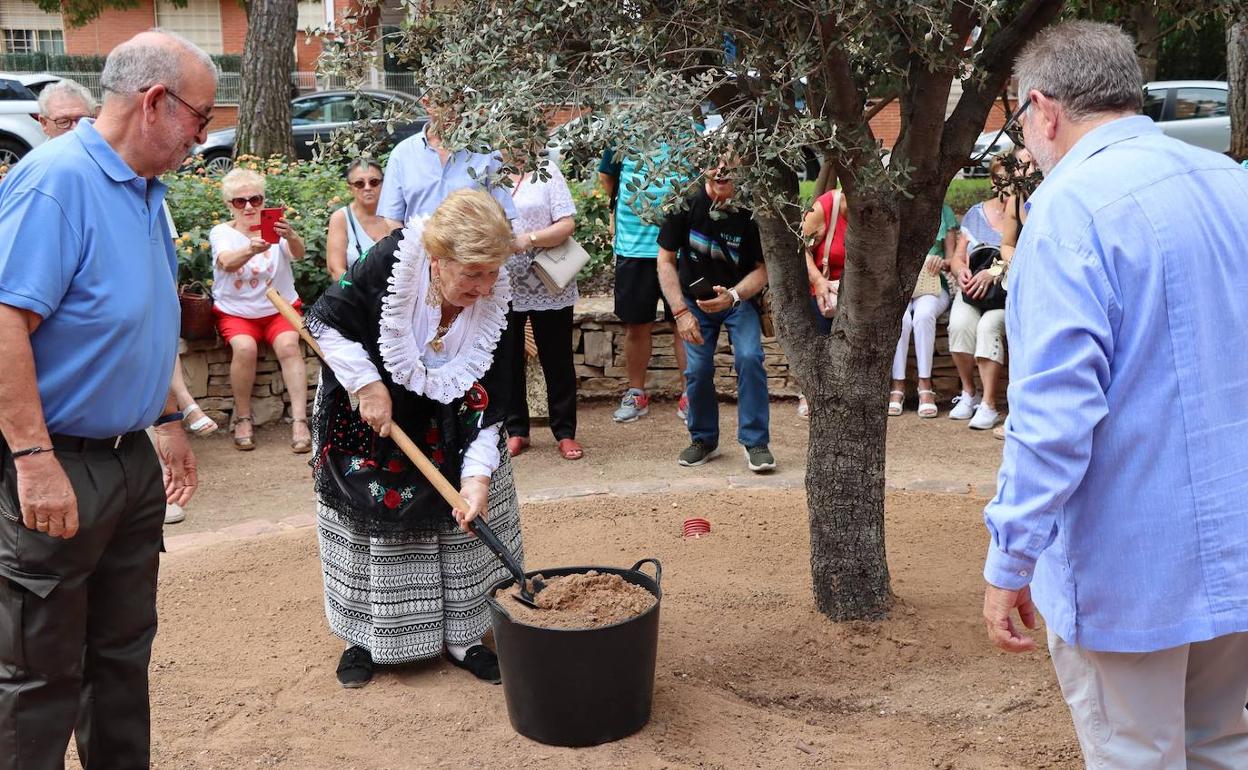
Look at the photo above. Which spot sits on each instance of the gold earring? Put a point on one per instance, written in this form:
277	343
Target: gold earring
434	296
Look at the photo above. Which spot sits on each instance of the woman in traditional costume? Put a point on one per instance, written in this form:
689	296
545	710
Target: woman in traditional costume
413	332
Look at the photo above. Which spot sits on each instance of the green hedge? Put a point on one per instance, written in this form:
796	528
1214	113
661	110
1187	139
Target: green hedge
45	62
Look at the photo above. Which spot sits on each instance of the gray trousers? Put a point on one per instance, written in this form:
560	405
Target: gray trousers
1176	709
77	616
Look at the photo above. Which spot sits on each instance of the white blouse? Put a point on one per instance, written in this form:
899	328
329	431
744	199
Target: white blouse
408	324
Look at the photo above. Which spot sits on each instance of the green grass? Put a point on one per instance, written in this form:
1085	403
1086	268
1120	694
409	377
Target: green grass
962	194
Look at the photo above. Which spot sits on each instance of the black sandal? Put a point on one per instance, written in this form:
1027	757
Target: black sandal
355	667
481	662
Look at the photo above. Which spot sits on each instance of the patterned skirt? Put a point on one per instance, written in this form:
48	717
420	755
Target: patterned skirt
404	598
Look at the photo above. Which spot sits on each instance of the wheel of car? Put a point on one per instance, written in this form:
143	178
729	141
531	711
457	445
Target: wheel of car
218	163
11	151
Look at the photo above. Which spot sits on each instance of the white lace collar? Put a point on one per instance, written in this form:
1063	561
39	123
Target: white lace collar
408	323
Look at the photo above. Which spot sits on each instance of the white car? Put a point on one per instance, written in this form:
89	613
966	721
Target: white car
1193	111
19	121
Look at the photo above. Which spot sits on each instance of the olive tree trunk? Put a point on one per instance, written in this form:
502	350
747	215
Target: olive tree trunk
1237	78
268	60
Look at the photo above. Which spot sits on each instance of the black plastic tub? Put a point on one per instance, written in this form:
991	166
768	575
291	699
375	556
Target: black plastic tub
579	687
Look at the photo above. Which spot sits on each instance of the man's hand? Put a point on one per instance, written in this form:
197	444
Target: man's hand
181	477
49	504
999	604
375	407
688	329
476	492
722	301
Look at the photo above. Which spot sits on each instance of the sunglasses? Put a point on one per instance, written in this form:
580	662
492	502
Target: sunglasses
360	184
256	202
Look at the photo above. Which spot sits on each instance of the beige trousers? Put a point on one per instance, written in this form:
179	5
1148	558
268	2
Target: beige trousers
1175	709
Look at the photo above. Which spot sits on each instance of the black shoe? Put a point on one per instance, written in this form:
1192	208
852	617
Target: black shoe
481	662
355	667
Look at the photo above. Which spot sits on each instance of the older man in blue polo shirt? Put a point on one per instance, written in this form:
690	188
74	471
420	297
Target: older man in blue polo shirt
1122	502
421	172
89	326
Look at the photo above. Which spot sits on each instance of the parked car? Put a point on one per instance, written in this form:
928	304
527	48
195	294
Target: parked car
1193	111
19	121
37	81
319	116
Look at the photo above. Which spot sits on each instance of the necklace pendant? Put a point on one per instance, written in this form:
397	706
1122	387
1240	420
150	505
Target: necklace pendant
436	344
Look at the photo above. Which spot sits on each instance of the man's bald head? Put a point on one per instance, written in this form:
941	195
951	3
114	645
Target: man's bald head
151	57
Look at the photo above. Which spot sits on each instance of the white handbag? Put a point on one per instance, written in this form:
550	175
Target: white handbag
557	266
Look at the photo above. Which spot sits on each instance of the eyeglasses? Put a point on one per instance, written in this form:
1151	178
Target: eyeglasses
1013	128
204	120
256	202
360	184
66	123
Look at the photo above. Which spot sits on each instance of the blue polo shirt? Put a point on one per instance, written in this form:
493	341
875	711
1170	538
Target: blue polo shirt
635	237
85	245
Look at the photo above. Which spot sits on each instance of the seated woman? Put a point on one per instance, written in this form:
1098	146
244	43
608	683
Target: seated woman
354	228
417	333
930	299
244	267
825	261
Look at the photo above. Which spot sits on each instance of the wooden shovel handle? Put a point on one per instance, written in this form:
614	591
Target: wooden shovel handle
397	434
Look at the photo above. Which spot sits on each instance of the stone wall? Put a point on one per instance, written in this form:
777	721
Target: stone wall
598	345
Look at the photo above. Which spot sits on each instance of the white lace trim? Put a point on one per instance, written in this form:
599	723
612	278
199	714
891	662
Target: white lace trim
408	324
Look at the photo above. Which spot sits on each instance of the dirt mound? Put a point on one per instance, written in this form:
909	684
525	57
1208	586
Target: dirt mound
586	600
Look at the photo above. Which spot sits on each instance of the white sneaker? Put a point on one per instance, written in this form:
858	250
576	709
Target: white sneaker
174	513
964	406
985	418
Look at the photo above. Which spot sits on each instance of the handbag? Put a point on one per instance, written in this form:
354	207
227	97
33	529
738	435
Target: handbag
196	305
557	266
981	259
927	283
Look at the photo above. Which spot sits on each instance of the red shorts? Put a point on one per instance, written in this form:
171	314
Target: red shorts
266	328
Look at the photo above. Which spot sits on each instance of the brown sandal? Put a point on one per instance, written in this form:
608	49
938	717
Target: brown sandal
570	449
303	445
244	443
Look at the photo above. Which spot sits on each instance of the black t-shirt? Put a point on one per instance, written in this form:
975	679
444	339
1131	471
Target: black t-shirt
723	250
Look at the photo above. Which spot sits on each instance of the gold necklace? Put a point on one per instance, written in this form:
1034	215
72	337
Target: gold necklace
436	343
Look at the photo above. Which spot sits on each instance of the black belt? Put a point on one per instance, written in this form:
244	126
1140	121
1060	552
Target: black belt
65	443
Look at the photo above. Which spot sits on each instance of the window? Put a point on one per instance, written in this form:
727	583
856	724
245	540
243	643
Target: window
329	109
198	21
311	14
1154	102
1199	103
27	28
12	90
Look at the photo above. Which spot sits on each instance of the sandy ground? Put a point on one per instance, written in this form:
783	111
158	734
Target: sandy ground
749	674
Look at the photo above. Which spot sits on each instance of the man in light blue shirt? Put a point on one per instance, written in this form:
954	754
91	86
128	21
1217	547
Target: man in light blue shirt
89	329
1122	501
421	173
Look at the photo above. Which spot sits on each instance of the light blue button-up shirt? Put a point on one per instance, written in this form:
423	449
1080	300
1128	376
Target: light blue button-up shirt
417	181
84	244
1123	492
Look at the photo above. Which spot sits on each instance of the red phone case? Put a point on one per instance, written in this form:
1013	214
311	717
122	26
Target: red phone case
267	218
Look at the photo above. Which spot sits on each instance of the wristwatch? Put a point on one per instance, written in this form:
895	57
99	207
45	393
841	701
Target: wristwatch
736	297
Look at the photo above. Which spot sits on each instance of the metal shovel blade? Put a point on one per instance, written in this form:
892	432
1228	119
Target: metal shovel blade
486	533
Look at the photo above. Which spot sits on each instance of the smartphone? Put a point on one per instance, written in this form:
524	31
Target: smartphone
701	289
267	218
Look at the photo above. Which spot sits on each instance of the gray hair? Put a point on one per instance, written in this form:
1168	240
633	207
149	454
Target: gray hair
69	89
1088	67
155	56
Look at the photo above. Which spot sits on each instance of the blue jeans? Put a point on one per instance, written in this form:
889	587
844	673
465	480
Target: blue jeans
753	410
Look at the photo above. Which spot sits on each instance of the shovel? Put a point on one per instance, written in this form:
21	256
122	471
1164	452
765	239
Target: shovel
427	468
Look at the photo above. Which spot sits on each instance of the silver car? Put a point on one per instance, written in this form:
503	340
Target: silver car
1193	111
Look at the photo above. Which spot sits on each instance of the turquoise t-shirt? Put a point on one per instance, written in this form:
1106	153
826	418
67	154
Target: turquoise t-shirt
633	236
947	222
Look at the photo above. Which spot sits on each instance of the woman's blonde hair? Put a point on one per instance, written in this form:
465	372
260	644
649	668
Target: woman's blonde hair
238	179
469	227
